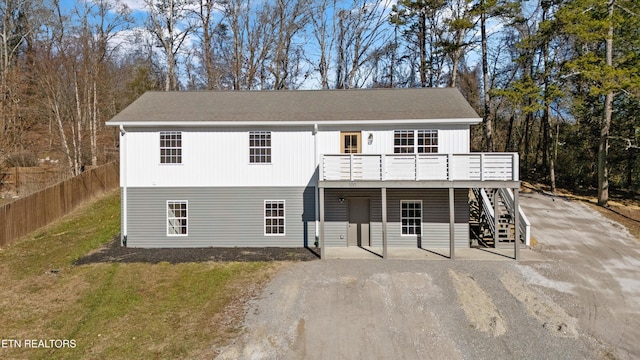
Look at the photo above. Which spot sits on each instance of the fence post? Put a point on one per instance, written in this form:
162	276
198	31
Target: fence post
17	180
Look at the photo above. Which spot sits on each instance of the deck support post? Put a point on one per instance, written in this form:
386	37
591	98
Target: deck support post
452	223
384	222
495	218
516	224
322	250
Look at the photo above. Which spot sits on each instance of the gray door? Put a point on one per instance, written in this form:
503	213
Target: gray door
358	234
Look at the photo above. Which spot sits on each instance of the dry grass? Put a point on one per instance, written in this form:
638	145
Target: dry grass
627	215
117	311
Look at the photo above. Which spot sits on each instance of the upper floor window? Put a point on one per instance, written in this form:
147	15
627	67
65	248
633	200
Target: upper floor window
170	147
404	141
427	141
260	147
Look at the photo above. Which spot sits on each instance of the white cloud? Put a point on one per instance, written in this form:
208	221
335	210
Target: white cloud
134	4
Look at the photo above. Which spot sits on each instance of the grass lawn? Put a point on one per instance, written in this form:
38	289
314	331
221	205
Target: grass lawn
116	311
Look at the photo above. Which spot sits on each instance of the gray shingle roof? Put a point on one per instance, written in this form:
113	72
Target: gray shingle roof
298	105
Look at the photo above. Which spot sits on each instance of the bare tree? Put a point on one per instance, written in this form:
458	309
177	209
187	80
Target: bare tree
322	14
253	34
170	22
290	17
211	31
359	29
20	22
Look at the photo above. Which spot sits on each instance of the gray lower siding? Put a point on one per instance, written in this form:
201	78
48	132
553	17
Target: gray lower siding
435	217
233	217
220	217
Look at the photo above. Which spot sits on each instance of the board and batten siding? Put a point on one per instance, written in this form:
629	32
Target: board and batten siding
452	139
220	217
435	217
220	157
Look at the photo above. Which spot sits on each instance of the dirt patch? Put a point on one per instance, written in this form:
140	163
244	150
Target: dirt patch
114	253
550	315
477	305
627	215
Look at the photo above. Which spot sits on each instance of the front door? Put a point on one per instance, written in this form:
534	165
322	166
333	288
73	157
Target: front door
350	143
358	233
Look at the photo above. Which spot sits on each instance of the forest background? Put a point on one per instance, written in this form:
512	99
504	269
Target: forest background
556	80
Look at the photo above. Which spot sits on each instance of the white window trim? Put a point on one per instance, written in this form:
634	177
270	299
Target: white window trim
402	146
166	209
415	140
284	218
437	147
160	149
270	147
421	216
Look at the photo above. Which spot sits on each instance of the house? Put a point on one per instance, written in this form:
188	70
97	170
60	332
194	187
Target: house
377	167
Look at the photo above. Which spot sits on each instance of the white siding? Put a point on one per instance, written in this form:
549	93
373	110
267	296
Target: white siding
452	139
219	157
328	141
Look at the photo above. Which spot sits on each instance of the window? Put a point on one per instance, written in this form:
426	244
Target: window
176	218
274	217
404	141
350	142
427	141
170	147
411	217
260	147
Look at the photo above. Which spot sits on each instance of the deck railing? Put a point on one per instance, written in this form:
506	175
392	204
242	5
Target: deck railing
381	167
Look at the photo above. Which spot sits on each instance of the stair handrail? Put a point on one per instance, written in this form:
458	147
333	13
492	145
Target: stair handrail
525	225
487	209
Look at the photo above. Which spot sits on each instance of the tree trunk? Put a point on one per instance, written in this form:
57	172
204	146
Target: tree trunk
422	39
548	146
456	58
488	126
631	158
603	146
94	126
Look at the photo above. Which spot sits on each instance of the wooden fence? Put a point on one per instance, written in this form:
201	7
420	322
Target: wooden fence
21	217
23	181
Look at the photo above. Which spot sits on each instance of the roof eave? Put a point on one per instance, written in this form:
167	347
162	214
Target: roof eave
182	123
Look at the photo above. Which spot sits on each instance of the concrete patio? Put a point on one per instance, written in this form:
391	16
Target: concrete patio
355	252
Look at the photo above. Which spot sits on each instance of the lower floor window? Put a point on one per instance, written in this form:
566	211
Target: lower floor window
411	216
177	217
274	218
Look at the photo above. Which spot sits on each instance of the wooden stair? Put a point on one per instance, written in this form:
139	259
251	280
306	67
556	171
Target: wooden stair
481	229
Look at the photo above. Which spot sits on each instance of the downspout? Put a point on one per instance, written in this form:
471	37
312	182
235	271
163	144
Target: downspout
123	183
317	179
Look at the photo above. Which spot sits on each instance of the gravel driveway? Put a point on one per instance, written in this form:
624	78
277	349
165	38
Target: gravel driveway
582	302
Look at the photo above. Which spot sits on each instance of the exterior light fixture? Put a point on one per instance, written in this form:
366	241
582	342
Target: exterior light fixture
370	139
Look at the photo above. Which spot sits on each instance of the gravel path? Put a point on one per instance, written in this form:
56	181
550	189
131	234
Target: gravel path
582	302
396	309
